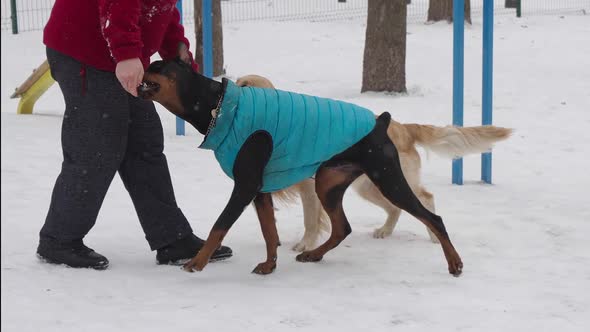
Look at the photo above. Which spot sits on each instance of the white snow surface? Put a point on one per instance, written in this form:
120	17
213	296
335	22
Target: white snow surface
525	240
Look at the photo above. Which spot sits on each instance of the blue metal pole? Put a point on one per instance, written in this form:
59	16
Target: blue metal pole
13	17
179	122
458	75
207	38
487	82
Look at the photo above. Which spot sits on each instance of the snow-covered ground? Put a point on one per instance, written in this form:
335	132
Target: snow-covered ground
524	240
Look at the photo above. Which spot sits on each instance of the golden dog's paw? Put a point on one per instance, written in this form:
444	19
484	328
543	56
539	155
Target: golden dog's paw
302	246
265	268
309	256
382	232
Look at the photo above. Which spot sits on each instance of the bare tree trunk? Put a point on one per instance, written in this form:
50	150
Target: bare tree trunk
217	36
384	63
439	10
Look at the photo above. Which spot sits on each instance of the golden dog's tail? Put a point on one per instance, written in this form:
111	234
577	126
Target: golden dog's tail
453	142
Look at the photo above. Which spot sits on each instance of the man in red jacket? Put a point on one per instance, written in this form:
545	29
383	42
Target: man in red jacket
97	51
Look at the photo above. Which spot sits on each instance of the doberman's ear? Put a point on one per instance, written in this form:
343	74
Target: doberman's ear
183	65
156	67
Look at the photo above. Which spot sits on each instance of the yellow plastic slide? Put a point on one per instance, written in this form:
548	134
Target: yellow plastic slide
30	91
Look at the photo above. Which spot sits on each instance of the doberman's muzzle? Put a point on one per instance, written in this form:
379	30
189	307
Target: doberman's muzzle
147	89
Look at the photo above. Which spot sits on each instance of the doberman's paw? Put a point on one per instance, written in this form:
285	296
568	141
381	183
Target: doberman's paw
308	256
265	268
455	266
198	263
453	259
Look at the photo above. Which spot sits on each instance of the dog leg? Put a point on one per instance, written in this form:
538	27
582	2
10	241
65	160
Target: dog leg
384	170
381	164
368	191
399	193
331	183
427	199
265	211
312	209
248	169
393	213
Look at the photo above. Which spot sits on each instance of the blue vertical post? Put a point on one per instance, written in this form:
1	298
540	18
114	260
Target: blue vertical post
458	75
487	82
13	17
207	38
179	122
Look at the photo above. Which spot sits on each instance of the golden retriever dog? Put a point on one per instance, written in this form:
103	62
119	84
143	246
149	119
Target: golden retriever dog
449	141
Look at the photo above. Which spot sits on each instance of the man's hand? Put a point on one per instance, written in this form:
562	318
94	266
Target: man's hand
130	73
183	53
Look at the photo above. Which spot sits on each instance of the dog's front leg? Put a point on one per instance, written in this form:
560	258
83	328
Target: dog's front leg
238	201
266	215
248	170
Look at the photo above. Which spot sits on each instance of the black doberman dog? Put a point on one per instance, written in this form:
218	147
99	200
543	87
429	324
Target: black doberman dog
196	99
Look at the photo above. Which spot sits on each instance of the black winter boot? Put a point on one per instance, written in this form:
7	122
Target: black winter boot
71	253
180	251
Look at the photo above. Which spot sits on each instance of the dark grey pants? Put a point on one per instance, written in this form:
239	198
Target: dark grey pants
106	130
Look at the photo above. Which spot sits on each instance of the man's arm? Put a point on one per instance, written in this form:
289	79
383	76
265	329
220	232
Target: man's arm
119	23
175	43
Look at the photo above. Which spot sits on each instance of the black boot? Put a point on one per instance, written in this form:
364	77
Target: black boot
180	251
71	253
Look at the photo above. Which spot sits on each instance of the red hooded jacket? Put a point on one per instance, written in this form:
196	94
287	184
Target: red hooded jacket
100	33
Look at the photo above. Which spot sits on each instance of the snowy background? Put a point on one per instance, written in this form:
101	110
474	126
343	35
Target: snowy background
524	240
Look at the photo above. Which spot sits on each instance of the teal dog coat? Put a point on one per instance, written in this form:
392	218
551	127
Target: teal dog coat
305	130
